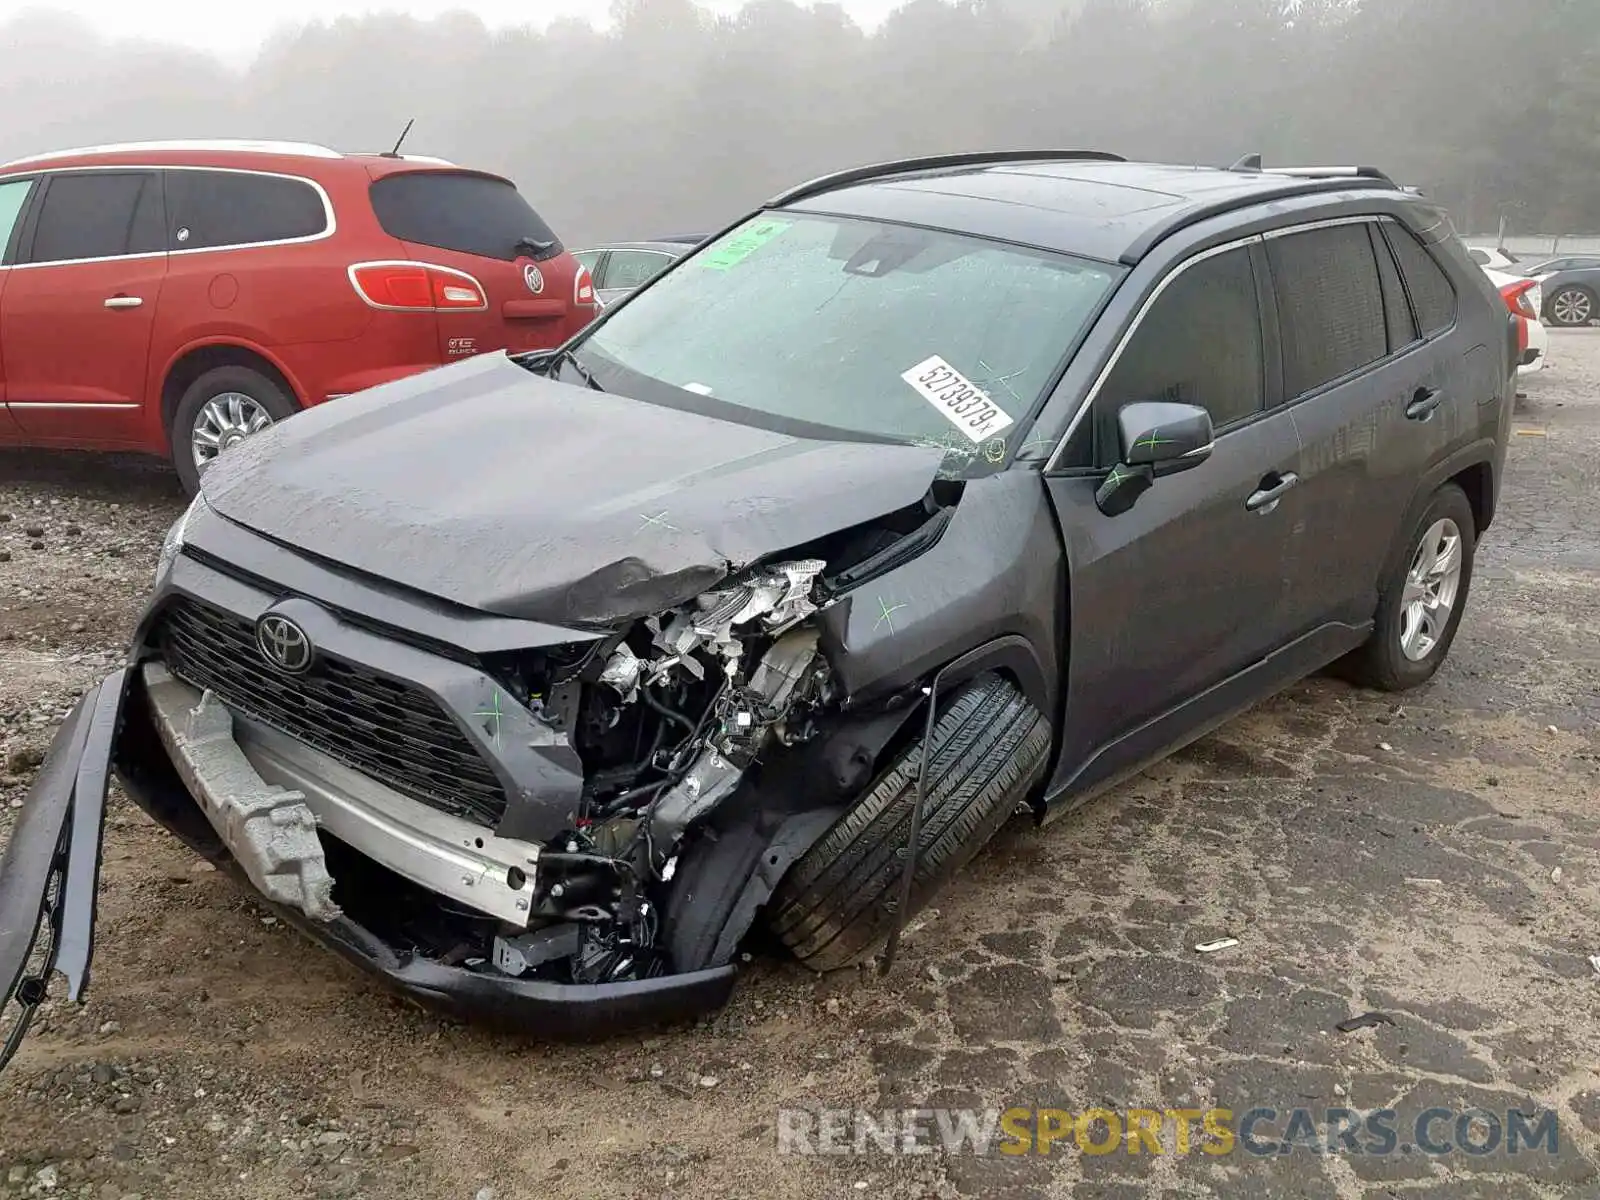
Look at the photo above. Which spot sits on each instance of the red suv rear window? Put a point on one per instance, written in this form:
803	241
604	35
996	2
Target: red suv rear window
467	213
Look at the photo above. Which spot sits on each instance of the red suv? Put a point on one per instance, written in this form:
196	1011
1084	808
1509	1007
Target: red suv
174	298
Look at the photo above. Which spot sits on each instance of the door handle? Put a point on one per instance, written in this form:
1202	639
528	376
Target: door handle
1423	403
124	301
1271	489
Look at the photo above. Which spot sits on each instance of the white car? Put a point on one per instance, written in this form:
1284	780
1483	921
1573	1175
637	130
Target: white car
1490	258
1525	297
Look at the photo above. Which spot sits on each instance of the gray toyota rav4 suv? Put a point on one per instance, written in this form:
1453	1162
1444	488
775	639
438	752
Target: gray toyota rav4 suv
931	493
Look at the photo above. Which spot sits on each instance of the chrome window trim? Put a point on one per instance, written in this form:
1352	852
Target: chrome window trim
330	228
1311	226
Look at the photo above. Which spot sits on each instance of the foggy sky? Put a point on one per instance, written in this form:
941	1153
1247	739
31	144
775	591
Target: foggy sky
672	118
234	30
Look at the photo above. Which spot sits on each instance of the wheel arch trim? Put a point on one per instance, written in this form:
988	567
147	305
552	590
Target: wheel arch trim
1011	655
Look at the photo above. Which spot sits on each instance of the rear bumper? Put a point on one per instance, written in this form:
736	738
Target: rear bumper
58	838
1536	349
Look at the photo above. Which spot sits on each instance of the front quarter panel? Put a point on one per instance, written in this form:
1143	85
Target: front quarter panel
997	573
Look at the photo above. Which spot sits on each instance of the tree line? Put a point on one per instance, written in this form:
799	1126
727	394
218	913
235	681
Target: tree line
675	120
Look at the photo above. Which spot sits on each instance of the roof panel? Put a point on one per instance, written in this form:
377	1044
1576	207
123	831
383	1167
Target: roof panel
1097	209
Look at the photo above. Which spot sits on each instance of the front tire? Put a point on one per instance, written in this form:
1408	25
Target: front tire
1572	307
1420	604
990	747
217	411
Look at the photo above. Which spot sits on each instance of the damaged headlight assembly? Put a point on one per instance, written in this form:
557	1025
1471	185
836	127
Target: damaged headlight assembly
172	544
674	715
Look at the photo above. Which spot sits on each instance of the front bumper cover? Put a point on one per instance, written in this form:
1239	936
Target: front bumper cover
55	851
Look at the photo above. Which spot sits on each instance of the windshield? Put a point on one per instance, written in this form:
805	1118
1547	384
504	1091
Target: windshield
836	325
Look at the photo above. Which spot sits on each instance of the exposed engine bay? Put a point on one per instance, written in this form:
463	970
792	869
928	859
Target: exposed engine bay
668	718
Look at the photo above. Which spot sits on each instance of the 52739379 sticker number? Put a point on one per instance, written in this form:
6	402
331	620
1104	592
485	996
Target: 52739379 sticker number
963	403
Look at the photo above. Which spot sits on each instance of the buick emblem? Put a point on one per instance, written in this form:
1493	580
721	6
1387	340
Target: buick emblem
533	277
283	644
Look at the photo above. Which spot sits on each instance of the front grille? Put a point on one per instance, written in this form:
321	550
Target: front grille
389	730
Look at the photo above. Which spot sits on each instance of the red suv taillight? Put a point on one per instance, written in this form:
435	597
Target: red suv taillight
1523	298
583	289
417	287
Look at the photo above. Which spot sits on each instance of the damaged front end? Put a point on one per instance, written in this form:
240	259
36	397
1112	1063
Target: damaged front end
561	934
564	831
668	718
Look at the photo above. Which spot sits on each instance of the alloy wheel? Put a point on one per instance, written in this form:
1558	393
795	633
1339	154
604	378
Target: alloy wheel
1572	306
224	421
1431	588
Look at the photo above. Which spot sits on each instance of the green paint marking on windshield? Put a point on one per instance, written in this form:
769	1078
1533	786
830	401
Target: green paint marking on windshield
733	250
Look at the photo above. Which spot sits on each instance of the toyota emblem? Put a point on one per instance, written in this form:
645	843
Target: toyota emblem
533	277
283	644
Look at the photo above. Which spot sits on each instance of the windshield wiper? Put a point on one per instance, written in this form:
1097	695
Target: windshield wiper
568	355
533	246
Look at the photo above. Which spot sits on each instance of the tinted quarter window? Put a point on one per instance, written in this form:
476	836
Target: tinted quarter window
1396	310
1432	297
13	195
1200	343
1330	305
232	208
470	214
87	216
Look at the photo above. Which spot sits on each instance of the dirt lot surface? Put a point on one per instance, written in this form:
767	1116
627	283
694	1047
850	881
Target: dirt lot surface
1436	860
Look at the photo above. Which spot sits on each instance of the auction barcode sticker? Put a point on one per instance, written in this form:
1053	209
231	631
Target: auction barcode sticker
964	404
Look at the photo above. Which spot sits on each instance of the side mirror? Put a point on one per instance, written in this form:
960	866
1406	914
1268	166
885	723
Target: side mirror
1166	437
1157	438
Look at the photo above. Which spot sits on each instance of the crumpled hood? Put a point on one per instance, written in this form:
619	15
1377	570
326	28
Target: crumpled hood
487	485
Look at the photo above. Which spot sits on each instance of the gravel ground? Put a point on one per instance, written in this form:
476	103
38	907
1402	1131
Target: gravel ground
1435	859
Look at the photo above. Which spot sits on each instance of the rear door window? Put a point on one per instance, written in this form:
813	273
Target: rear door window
467	213
1330	305
98	214
237	208
1432	297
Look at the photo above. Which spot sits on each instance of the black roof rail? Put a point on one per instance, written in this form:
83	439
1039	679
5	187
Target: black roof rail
1292	186
934	162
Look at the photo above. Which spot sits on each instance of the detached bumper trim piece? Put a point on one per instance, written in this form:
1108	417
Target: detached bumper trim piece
55	848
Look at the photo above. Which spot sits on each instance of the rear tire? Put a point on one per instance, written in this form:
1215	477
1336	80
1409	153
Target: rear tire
990	747
1572	307
1413	634
225	404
